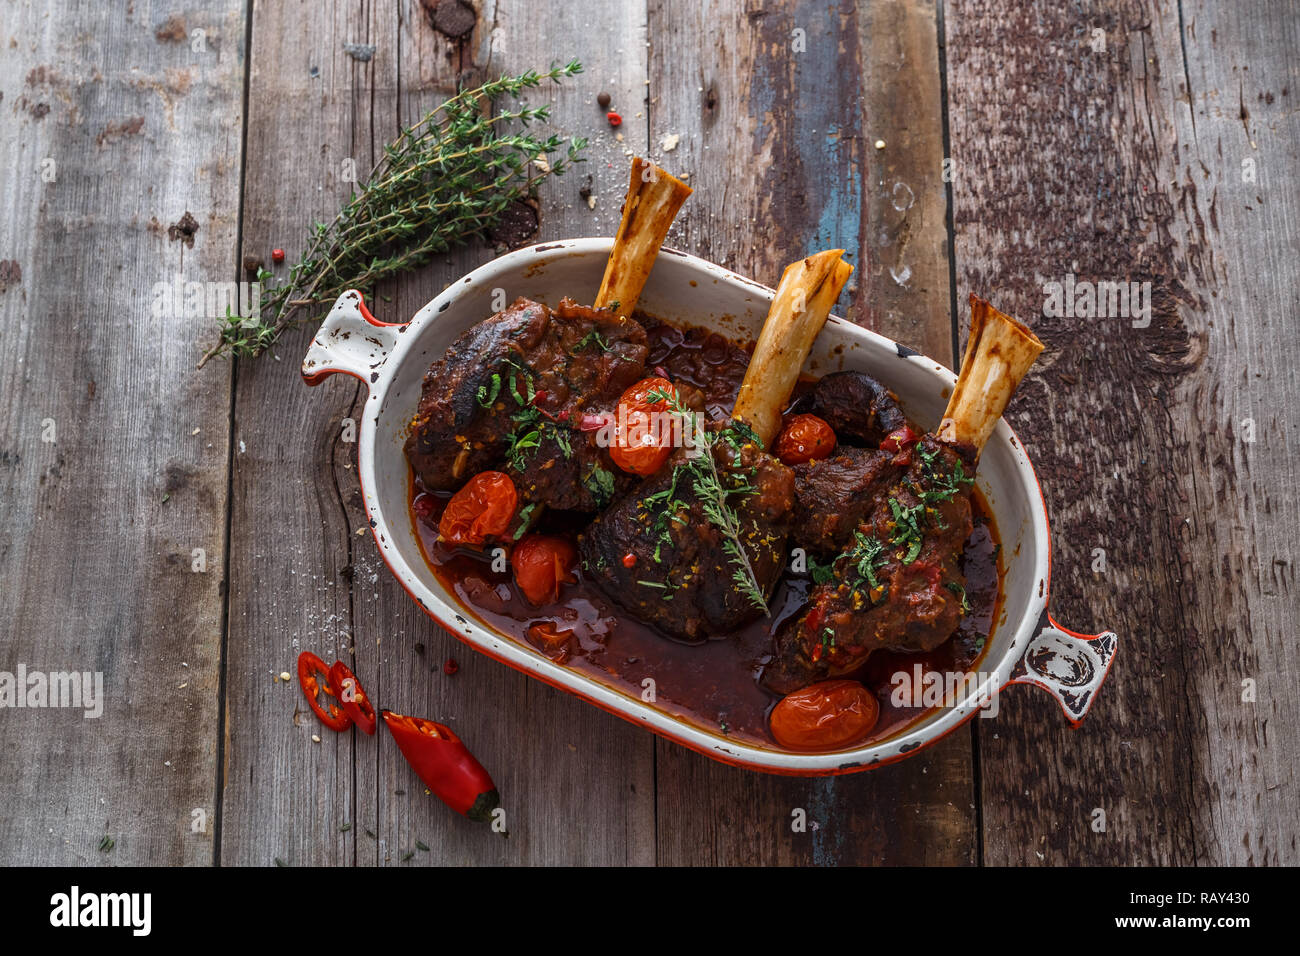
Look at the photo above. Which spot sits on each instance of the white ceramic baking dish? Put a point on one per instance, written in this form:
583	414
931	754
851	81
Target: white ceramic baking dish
1026	646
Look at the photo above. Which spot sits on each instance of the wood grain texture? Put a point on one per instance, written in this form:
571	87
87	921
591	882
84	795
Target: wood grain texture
112	453
767	100
1108	140
1112	163
577	784
294	566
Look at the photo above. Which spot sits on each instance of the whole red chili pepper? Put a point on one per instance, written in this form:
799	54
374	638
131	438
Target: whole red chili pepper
353	698
446	766
314	677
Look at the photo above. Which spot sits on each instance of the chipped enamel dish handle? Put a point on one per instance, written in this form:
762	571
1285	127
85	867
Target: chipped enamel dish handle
1069	666
351	341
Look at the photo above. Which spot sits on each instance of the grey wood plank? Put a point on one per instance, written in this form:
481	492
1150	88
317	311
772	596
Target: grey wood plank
285	795
113	454
1249	234
576	783
549	753
1125	162
778	108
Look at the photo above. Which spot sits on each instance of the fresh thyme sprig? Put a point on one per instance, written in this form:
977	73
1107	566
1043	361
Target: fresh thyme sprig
713	494
440	183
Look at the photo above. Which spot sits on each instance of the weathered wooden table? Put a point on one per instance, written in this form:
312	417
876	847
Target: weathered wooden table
186	533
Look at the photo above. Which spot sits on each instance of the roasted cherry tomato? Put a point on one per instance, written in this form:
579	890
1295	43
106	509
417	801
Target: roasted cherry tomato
642	439
641	442
805	438
481	509
638	395
827	716
353	698
543	562
901	440
314	678
444	763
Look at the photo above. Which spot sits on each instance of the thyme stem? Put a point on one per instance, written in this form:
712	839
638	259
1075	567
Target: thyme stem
443	181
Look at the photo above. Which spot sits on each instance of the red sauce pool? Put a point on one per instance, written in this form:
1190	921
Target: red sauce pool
712	684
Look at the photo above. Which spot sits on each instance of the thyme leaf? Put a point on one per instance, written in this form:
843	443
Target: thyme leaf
441	182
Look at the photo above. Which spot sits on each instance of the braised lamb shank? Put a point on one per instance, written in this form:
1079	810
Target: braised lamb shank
898	582
513	392
697	548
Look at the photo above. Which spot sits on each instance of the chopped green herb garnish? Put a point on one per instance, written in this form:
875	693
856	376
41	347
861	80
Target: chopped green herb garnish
487	397
820	573
525	518
591	338
866	555
956	587
712	491
907	529
600	482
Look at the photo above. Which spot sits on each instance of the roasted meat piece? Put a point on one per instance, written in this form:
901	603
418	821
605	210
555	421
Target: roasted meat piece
898	582
897	585
859	409
669	564
698	548
834	495
511	394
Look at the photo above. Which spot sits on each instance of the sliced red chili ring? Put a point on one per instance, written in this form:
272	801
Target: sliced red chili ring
314	678
353	698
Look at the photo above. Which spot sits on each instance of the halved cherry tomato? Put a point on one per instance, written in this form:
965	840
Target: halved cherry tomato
805	438
481	509
444	763
829	715
353	698
314	678
542	563
642	439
